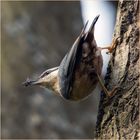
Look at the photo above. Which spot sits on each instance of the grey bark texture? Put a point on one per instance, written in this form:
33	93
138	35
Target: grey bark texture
118	116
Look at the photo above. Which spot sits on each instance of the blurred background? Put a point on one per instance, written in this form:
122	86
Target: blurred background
35	36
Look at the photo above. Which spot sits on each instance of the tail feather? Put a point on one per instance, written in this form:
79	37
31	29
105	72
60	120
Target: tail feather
93	23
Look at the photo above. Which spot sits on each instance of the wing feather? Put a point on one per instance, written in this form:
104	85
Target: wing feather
72	58
68	64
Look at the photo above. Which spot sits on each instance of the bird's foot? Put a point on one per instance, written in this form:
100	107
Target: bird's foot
112	46
108	93
112	92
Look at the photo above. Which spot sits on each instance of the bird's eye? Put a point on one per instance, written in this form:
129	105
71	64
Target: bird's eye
48	71
44	74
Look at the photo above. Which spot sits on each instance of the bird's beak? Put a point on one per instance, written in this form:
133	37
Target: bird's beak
29	82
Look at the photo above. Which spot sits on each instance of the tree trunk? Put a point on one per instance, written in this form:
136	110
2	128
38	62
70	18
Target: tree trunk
118	116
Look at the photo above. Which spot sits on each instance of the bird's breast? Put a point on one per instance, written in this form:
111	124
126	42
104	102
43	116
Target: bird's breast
82	80
85	77
82	87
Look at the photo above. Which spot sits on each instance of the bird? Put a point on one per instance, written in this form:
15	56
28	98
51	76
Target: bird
79	71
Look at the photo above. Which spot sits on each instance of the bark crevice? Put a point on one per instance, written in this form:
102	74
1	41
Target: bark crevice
118	115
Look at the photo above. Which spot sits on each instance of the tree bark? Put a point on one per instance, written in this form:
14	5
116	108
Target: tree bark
118	116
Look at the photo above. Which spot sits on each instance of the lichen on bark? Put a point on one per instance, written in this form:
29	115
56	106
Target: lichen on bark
118	116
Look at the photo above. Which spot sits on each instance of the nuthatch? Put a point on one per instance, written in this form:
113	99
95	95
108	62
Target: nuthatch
80	70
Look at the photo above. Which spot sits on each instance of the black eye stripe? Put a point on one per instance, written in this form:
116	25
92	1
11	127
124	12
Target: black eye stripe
44	74
48	72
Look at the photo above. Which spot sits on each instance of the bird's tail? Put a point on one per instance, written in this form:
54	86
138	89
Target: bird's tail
93	23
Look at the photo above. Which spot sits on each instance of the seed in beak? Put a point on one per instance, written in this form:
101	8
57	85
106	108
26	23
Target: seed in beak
29	82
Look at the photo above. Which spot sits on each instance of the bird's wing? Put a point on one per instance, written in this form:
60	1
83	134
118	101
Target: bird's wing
68	64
